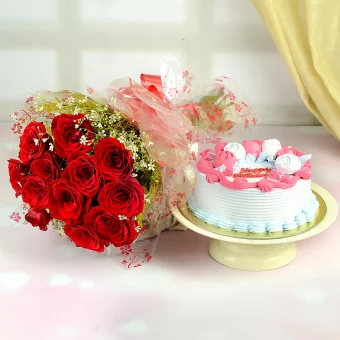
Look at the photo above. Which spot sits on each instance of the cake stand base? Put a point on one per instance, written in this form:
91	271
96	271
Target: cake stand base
257	252
252	257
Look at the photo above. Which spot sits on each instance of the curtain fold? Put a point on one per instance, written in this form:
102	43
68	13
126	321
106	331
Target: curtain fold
306	33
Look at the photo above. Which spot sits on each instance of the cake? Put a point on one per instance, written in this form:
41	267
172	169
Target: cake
255	186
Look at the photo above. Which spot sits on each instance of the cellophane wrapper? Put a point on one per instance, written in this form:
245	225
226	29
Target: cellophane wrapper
177	120
181	118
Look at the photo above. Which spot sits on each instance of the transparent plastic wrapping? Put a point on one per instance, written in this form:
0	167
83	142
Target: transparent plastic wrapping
173	113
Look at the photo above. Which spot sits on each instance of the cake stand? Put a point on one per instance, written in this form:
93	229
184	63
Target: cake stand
263	251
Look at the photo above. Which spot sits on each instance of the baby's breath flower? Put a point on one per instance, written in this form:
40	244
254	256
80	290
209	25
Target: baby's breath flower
70	99
83	140
14	116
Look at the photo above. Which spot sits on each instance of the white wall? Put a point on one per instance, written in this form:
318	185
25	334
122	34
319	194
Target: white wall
69	44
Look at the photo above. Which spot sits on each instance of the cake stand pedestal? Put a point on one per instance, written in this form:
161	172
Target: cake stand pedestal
258	252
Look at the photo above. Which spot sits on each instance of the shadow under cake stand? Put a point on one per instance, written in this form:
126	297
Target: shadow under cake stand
260	251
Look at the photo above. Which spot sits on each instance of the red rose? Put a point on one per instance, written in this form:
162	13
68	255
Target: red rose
33	142
38	218
66	203
123	198
34	192
83	236
47	167
72	133
82	175
110	228
113	160
17	171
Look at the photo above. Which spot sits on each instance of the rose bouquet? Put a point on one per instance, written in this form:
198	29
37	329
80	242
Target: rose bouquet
89	173
106	169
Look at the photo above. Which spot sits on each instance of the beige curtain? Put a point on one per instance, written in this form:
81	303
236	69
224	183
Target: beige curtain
307	35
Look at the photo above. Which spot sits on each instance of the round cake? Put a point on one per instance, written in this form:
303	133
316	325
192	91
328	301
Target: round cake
254	186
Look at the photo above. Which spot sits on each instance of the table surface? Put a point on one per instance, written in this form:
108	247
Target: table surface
50	290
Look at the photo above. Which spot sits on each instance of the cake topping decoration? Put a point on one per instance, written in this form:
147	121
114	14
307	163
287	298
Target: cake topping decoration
250	158
225	158
220	146
252	147
275	175
266	185
253	173
288	164
212	177
240	166
303	159
270	147
237	149
304	173
289	149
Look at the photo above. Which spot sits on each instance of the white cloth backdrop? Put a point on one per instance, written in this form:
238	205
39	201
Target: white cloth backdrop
59	44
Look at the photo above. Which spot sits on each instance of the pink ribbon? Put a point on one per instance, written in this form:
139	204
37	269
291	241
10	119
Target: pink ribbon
191	108
153	83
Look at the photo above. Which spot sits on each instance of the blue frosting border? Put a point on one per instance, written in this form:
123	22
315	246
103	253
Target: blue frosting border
306	215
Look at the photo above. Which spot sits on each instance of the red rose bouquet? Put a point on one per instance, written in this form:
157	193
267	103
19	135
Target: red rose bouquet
85	169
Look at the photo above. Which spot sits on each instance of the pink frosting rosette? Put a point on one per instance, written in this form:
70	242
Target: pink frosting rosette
266	185
225	158
253	147
220	146
204	166
289	149
304	173
213	176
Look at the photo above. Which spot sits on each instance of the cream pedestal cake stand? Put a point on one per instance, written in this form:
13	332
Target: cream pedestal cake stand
258	252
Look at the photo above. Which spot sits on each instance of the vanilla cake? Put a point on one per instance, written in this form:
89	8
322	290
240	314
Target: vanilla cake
254	186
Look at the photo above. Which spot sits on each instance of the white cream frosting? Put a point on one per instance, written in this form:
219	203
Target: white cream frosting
306	215
243	206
